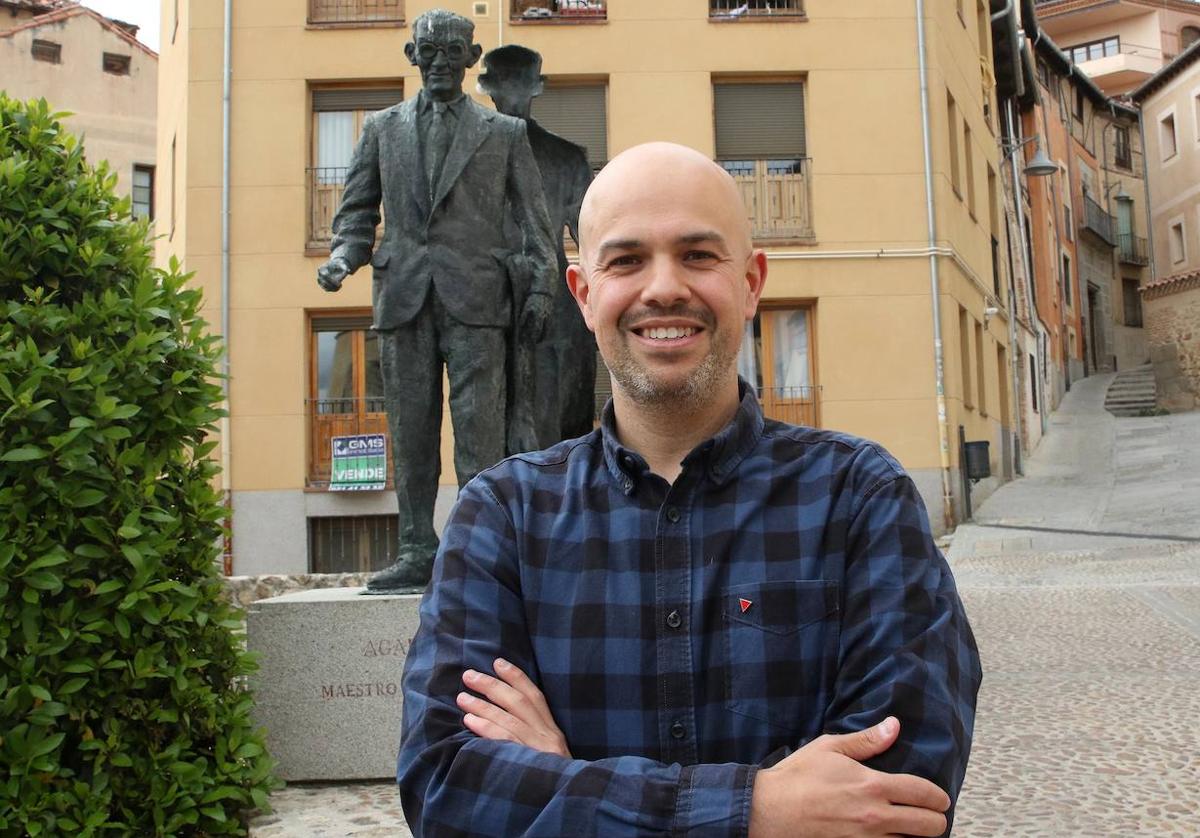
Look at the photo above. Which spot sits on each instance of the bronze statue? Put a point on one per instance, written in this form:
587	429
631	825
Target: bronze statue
445	170
564	361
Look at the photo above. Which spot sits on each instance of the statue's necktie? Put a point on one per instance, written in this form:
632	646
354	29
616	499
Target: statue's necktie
437	142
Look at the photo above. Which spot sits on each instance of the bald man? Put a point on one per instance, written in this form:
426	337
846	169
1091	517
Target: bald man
693	620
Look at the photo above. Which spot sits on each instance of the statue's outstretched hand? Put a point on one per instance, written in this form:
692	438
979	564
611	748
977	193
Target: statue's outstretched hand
331	274
535	316
514	709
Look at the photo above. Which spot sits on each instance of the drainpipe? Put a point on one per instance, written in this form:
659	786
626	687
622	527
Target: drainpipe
939	359
1146	203
499	23
1009	113
226	443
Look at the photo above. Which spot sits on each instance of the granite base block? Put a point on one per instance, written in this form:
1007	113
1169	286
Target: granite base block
328	687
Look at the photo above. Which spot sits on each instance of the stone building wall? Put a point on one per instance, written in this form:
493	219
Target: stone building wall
1172	316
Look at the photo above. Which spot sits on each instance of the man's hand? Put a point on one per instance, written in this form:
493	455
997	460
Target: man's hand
515	710
331	274
535	314
823	790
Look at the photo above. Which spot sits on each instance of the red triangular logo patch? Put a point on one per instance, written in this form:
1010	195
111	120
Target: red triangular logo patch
745	604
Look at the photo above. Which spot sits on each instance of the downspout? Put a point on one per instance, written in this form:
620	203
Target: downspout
1146	203
1010	115
499	23
935	291
226	443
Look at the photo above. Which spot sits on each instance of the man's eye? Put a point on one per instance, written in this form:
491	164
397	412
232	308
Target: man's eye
699	255
623	261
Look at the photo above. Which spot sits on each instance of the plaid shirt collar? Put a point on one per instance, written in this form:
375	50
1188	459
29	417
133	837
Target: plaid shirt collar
718	456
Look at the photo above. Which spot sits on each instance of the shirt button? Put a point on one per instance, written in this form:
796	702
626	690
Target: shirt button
672	514
674	620
678	730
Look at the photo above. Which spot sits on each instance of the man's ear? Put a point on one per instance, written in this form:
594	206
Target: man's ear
410	52
756	281
476	52
578	285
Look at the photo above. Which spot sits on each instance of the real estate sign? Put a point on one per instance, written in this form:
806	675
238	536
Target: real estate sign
359	463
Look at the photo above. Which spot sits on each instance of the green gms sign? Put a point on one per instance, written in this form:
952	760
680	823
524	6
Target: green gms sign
359	463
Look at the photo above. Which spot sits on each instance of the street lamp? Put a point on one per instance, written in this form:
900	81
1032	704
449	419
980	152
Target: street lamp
1040	165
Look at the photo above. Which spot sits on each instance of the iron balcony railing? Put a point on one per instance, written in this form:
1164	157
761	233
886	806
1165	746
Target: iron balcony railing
794	405
328	418
778	195
325	187
755	9
355	11
1096	220
565	11
1133	250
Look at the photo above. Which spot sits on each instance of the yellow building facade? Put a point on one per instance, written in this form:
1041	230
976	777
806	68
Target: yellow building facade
815	106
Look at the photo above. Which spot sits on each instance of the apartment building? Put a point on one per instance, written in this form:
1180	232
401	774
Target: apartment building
1120	44
94	67
814	106
1170	104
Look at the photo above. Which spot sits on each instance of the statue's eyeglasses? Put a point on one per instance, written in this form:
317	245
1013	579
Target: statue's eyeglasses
454	51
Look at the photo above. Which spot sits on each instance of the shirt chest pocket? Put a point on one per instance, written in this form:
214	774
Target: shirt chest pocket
781	646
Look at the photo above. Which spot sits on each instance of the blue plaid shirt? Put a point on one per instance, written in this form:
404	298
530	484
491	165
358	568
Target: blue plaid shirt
786	585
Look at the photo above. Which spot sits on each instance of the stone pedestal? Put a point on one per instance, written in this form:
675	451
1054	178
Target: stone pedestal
328	687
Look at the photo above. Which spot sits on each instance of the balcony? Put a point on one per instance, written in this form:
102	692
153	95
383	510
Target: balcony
328	418
1098	222
1133	250
755	9
325	187
559	11
794	405
778	195
355	12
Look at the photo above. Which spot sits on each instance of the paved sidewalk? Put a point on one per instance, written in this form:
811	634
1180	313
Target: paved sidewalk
1082	582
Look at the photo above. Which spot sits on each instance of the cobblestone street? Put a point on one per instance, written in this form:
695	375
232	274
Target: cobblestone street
1082	581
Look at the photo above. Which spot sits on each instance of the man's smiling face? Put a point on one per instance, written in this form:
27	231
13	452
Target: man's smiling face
667	277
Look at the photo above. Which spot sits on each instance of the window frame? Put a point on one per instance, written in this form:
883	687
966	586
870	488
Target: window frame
1166	117
148	169
781	407
116	64
49	52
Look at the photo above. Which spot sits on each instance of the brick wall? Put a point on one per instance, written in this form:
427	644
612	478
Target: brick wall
1172	318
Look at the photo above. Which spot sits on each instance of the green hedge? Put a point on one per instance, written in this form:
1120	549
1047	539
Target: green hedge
121	710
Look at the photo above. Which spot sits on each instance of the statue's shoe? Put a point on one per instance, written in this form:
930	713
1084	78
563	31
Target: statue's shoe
409	574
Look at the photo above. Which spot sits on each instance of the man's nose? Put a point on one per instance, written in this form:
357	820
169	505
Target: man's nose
666	284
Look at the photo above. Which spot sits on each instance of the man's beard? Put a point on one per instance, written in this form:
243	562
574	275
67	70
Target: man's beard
696	389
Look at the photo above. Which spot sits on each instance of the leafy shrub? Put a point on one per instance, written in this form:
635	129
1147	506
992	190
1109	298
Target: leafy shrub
120	710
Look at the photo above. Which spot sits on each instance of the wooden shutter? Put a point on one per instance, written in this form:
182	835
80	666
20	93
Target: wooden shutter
579	114
356	99
759	121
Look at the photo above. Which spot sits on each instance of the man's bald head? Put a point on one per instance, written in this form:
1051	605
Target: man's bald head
663	175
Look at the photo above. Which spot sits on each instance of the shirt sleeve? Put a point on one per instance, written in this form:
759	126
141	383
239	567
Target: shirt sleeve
907	649
455	783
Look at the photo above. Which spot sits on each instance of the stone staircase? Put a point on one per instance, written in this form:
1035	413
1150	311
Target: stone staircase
1132	392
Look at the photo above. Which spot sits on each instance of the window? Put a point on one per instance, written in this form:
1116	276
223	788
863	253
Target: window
564	10
1122	154
994	229
1033	389
760	141
337	120
969	168
577	112
143	192
118	65
1188	36
1043	73
952	128
355	11
980	378
1066	279
1068	223
1133	302
964	356
1002	383
777	358
1092	50
1178	243
174	19
48	51
345	386
752	9
1166	137
1079	103
352	544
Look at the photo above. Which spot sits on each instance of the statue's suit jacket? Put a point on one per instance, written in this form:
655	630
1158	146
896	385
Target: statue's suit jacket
456	242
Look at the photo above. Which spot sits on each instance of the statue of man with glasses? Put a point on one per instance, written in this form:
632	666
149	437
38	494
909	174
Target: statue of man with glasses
443	169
